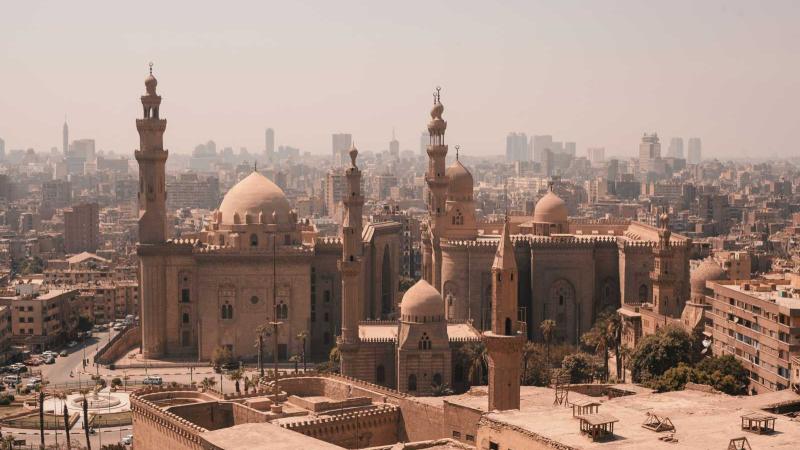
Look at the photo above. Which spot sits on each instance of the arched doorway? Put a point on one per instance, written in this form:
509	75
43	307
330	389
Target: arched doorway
386	282
561	307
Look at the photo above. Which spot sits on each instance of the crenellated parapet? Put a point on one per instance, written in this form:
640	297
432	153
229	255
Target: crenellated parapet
146	412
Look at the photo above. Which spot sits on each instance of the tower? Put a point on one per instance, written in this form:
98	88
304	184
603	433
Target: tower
151	157
437	181
65	137
663	274
152	250
505	340
269	143
350	265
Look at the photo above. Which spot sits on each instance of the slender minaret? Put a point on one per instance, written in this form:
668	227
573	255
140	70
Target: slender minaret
350	265
504	342
152	157
152	249
65	137
437	190
663	275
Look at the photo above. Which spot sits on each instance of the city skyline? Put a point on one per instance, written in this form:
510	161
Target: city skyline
364	69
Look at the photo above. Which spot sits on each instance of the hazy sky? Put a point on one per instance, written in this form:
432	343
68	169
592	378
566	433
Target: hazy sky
597	72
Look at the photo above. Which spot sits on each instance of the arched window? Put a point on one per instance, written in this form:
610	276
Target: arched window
424	342
380	374
185	318
508	326
437	379
227	311
253	240
287	240
284	311
643	293
412	382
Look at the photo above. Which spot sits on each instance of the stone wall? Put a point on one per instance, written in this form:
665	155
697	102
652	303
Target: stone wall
158	429
353	430
509	436
210	415
119	345
461	422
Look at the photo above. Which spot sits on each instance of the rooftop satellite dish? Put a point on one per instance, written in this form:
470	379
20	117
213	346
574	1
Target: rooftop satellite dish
735	320
706	343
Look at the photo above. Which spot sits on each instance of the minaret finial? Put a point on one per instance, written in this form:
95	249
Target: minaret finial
437	95
151	67
458	147
255	166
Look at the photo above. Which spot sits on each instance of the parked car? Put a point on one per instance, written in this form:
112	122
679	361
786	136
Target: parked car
127	440
118	327
153	380
12	379
63	353
49	360
49	353
33	361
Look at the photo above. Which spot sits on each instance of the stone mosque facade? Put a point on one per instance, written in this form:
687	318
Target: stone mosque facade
254	263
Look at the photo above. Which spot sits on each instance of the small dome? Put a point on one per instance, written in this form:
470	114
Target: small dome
150	84
708	270
461	183
550	209
422	300
257	196
437	110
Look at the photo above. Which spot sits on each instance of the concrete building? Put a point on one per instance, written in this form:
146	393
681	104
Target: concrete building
596	155
695	150
82	228
394	147
758	321
517	148
675	149
539	144
56	194
335	185
42	320
649	153
269	143
340	145
190	190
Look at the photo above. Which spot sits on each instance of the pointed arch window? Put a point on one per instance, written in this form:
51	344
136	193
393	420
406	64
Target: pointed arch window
412	382
424	342
253	240
282	310
227	311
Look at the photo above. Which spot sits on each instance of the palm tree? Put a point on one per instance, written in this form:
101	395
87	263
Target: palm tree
474	356
41	417
548	329
303	335
335	357
527	352
208	383
295	359
614	334
86	422
66	425
624	354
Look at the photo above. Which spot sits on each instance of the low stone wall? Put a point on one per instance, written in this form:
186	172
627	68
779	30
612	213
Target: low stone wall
319	406
353	430
118	346
158	429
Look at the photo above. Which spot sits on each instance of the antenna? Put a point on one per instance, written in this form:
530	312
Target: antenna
458	147
151	67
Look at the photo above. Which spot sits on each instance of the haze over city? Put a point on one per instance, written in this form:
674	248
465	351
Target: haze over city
596	73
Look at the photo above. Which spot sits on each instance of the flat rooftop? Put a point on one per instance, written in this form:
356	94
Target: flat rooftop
702	420
263	436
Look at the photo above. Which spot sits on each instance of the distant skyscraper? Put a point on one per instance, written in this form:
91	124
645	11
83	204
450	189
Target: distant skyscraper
65	138
570	148
394	146
82	228
540	144
675	149
2	149
649	152
596	155
695	151
517	147
269	142
82	148
424	140
341	143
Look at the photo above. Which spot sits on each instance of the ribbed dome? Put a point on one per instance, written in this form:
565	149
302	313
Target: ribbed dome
150	84
708	270
461	183
255	195
550	209
422	300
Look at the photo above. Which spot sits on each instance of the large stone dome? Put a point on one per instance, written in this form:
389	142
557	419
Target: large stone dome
257	196
461	182
708	270
550	209
422	301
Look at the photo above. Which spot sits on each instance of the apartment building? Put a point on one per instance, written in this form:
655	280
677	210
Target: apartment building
758	321
106	302
42	320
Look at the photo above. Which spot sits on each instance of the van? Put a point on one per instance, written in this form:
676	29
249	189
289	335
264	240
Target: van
153	380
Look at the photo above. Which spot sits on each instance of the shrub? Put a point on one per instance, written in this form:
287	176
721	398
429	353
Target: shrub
116	382
580	366
659	352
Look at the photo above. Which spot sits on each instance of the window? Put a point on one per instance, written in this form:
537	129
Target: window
643	293
253	240
227	311
470	438
326	338
282	310
327	317
508	326
437	379
254	300
185	318
412	382
425	342
380	374
456	434
287	240
493	446
185	295
326	296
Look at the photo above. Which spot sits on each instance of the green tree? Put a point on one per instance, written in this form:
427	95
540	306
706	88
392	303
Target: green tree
221	356
725	373
674	379
548	329
657	353
236	376
472	355
303	336
580	366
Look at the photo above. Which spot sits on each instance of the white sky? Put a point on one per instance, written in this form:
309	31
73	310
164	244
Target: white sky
597	72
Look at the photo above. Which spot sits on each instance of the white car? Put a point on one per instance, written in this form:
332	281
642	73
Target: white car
12	379
127	440
153	380
71	344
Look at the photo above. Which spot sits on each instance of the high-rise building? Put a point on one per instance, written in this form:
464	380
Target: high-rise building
517	147
191	191
65	138
424	138
540	144
82	228
269	142
82	148
394	146
570	148
596	155
341	143
2	149
695	150
675	148
335	185
649	152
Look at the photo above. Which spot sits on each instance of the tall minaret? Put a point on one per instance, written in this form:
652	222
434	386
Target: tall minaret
65	137
152	250
437	189
504	342
663	275
350	266
152	157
